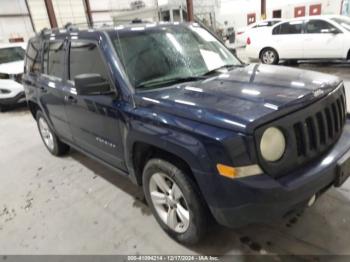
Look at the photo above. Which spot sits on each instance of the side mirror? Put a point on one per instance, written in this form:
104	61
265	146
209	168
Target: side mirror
91	84
333	31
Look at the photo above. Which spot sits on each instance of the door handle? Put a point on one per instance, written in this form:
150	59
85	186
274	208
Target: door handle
70	99
43	89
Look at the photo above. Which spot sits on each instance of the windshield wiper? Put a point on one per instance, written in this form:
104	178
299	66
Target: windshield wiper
172	81
221	67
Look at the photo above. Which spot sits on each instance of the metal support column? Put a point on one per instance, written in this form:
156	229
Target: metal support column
263	9
51	13
30	16
88	12
190	15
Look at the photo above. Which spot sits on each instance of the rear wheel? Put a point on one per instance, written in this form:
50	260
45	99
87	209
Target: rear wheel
269	56
175	201
51	141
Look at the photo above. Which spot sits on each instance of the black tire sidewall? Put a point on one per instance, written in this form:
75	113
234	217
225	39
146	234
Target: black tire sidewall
198	218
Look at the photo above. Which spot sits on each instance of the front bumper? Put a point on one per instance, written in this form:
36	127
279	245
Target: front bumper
15	92
261	198
19	98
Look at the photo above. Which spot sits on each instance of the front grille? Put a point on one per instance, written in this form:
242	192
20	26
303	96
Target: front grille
320	130
310	133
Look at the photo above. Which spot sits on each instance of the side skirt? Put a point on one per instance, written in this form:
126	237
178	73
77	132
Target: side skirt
115	169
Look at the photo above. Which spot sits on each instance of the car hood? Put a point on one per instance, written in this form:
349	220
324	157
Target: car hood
13	68
242	98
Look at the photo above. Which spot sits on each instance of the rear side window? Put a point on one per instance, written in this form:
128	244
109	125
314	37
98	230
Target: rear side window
289	28
319	27
33	59
85	58
54	59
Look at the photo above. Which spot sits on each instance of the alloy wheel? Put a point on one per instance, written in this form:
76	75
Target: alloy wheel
169	202
268	57
46	133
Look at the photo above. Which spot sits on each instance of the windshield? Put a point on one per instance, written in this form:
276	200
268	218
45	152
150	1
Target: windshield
158	55
344	22
11	54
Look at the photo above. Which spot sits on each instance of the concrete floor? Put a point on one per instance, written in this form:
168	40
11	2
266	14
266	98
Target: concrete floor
73	205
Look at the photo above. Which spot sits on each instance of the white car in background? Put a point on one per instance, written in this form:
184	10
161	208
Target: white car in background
243	33
307	38
11	71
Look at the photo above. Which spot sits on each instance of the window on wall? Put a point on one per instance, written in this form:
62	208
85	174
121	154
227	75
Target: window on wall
54	59
299	11
315	9
85	58
251	18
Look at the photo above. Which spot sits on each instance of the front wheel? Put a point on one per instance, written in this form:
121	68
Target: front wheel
175	201
269	56
51	141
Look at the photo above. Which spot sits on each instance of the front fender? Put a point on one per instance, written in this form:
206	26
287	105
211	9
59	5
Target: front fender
185	146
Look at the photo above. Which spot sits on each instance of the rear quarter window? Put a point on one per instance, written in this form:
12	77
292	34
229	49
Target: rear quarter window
289	28
33	57
53	57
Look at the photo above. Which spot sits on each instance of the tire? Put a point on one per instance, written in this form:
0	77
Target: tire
3	108
182	214
269	56
292	62
50	139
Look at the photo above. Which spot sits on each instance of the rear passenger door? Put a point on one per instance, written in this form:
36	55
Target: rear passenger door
51	84
288	39
94	117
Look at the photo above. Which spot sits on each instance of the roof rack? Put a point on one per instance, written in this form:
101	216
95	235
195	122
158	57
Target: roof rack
74	27
70	27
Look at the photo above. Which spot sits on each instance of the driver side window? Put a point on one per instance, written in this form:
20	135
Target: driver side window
319	27
86	65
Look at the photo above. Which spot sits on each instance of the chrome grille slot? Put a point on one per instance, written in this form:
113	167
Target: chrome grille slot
321	129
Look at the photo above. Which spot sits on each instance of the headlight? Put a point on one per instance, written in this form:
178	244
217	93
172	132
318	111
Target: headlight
272	144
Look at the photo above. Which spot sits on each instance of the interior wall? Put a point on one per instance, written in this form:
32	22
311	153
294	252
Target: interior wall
39	14
72	11
235	11
14	26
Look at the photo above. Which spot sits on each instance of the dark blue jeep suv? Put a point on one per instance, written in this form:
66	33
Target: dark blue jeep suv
170	107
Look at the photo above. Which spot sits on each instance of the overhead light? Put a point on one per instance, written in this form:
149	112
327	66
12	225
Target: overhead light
150	100
185	102
299	84
251	92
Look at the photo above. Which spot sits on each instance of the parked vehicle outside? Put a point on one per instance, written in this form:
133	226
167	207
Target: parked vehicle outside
259	27
171	108
11	71
318	37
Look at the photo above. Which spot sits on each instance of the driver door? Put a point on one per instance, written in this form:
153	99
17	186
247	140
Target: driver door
94	118
322	40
